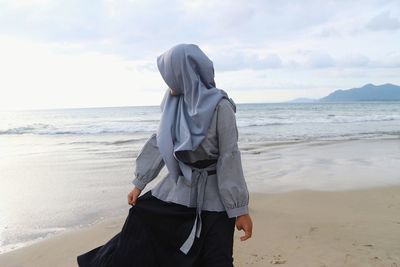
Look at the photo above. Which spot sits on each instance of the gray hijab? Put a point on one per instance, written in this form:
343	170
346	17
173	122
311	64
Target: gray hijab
185	117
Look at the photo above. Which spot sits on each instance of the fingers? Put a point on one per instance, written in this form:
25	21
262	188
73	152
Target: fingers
247	233
133	196
132	199
246	226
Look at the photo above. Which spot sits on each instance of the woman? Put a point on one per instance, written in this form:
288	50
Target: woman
188	218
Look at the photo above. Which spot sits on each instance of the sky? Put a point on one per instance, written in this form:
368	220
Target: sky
95	53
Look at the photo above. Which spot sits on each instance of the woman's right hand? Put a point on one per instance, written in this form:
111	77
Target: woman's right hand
133	195
244	223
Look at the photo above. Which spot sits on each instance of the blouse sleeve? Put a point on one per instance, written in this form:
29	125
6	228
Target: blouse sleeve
231	182
149	163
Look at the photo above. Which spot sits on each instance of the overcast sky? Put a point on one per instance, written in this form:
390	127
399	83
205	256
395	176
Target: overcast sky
76	53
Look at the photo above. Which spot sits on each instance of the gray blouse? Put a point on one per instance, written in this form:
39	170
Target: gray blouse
224	191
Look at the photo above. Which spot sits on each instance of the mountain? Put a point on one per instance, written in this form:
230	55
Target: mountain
369	92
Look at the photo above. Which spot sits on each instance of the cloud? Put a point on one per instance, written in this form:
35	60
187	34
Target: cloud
33	76
383	21
132	29
135	29
240	60
262	43
321	60
355	61
327	33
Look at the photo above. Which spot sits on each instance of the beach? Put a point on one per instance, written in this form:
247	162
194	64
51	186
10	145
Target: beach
336	222
302	228
324	182
314	130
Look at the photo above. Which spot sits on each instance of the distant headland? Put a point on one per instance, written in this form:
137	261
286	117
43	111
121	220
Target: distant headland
368	92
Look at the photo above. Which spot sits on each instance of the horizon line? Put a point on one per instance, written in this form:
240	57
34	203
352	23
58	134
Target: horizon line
123	106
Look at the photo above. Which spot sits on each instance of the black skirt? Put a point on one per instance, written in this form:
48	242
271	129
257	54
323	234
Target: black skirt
154	231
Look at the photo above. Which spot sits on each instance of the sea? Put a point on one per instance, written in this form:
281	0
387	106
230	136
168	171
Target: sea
62	169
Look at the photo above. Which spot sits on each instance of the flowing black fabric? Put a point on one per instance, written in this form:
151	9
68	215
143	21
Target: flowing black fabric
153	232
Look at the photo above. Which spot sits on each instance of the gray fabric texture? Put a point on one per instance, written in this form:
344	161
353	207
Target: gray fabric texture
185	117
224	191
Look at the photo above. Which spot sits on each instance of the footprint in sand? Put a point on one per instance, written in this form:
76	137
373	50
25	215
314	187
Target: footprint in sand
312	229
276	259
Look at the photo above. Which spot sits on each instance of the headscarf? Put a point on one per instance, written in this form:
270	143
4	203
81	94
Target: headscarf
185	117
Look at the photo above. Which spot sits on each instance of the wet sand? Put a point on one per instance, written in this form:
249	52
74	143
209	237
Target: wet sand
300	228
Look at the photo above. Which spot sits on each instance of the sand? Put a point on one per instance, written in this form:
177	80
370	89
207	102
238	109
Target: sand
300	228
352	228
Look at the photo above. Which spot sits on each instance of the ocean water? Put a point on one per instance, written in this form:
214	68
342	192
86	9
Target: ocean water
282	121
67	168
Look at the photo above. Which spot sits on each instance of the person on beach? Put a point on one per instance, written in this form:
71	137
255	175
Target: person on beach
189	217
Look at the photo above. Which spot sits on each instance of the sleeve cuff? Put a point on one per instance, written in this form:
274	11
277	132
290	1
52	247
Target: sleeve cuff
235	212
139	184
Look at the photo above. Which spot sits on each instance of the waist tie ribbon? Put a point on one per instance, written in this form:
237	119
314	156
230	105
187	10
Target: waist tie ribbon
200	176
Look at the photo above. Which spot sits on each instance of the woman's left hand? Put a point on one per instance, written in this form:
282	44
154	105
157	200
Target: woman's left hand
244	223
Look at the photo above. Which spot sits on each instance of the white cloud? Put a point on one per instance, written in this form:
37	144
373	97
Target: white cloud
321	60
35	77
384	21
62	53
241	60
355	60
327	32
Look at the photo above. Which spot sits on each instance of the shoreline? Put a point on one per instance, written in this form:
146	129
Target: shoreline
359	227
